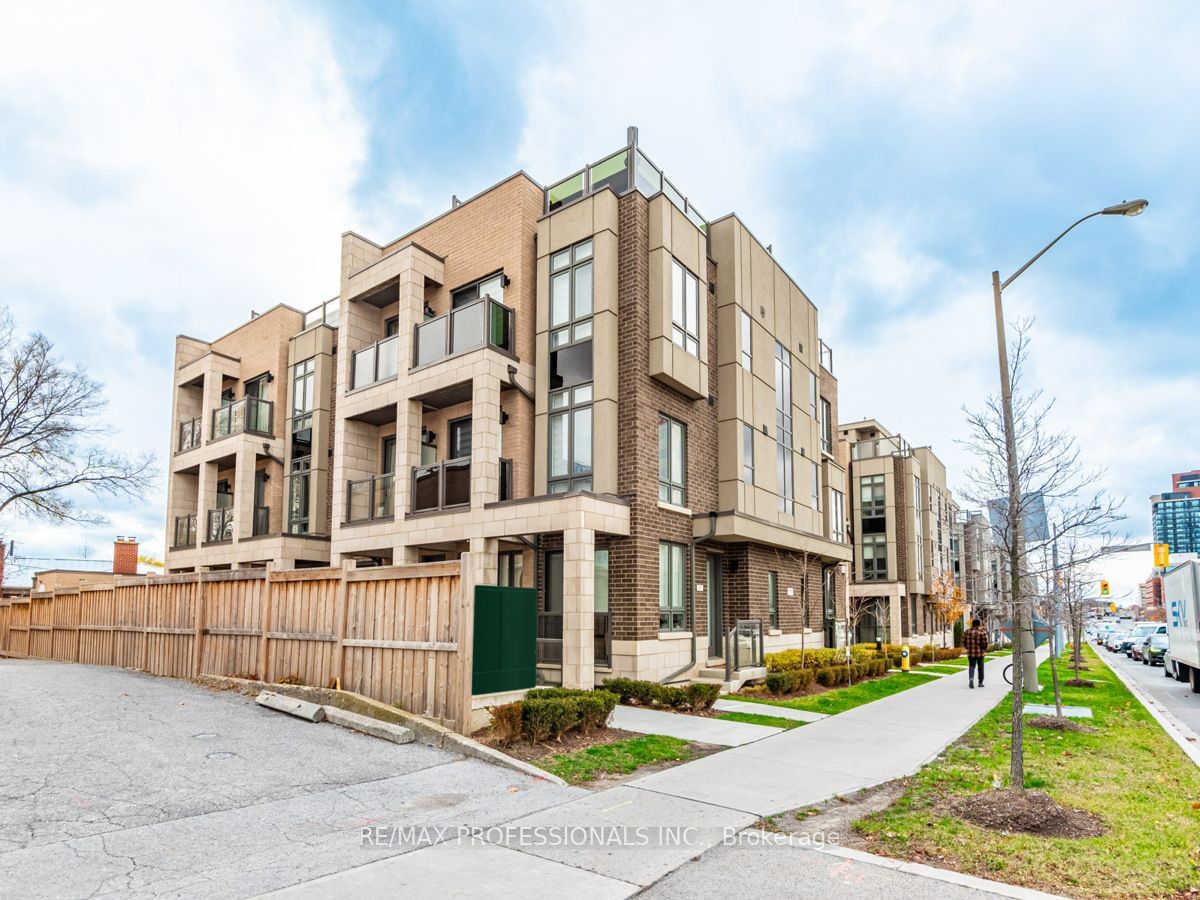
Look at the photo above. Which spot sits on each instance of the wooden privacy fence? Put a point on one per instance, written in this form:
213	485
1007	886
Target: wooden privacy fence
397	634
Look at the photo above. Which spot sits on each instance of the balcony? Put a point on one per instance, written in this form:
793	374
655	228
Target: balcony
262	520
370	498
189	434
220	525
374	363
884	446
444	485
250	414
185	531
485	322
826	357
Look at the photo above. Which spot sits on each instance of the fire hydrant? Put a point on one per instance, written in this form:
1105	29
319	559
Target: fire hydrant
904	658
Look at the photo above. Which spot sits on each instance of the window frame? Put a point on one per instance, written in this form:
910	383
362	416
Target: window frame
570	413
878	504
826	426
747	453
837	515
461	295
455	427
672	617
670	490
773	599
685	334
578	328
873	572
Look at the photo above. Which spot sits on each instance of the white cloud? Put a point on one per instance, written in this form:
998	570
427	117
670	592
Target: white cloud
166	169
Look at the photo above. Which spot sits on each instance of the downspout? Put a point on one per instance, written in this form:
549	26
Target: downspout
712	529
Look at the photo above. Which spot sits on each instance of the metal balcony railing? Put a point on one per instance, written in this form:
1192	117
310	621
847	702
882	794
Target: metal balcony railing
189	434
248	414
185	531
262	520
744	646
370	498
485	322
220	524
826	357
444	485
374	363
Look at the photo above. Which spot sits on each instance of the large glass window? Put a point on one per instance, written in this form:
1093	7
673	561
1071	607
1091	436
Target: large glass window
773	598
671	583
511	568
747	340
685	308
460	438
917	527
837	515
672	461
747	454
571	295
298	492
571	440
826	426
783	428
874	552
816	485
872	496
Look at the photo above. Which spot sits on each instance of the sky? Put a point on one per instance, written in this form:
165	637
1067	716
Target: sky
168	168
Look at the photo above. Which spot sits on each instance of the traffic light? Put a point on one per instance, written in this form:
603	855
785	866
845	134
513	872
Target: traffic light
1105	588
1162	555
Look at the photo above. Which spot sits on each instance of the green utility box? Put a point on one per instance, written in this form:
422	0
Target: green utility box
505	654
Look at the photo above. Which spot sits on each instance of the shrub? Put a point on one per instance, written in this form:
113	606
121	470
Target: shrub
817	658
552	712
507	722
702	696
958	633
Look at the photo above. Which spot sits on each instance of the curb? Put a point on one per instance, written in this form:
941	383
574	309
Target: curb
921	870
1187	739
427	731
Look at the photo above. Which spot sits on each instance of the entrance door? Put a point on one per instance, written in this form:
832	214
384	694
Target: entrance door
716	608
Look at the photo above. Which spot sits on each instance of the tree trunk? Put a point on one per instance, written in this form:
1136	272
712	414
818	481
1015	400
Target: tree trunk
1016	766
1058	709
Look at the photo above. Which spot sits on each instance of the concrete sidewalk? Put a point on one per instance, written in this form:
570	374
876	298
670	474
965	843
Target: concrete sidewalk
691	728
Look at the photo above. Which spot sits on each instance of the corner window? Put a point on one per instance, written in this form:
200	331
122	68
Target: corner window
570	442
747	338
773	598
671	575
685	308
747	454
672	461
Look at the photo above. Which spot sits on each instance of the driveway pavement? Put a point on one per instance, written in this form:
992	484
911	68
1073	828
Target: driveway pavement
113	782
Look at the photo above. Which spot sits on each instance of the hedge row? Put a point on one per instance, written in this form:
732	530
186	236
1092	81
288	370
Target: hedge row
548	713
792	681
796	659
692	697
928	653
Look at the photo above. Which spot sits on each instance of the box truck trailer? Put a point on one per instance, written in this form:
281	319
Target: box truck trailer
1181	597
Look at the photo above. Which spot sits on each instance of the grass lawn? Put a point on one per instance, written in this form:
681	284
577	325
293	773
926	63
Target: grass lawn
1130	773
755	719
617	758
945	670
841	699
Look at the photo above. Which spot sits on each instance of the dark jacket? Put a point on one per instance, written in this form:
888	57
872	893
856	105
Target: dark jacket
976	642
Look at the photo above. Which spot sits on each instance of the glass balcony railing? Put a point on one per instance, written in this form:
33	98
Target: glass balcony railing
444	485
220	524
485	322
189	434
370	498
185	531
248	414
374	363
826	357
884	446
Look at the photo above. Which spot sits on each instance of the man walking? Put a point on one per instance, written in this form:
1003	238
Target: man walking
975	639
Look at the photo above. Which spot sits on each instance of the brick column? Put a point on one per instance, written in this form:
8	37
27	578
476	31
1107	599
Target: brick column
485	558
485	440
579	573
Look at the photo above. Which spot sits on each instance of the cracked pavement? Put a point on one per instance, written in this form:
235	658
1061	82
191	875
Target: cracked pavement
108	788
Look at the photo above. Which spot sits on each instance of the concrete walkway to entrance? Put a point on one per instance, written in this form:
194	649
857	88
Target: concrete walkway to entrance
690	728
765	709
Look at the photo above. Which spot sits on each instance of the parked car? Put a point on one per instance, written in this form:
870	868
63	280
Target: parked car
1113	641
1140	632
1156	650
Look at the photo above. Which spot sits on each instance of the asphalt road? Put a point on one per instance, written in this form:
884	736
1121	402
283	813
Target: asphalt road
118	783
1175	695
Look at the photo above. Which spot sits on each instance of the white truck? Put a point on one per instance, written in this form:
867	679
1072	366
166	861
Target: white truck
1181	598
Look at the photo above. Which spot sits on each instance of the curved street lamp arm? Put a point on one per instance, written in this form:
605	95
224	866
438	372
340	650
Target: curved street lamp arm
1013	277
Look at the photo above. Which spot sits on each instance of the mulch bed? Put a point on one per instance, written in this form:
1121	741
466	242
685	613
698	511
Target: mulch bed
575	740
1032	812
1058	724
1079	682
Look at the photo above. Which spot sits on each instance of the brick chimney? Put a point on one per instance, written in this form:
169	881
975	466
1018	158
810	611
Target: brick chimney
125	555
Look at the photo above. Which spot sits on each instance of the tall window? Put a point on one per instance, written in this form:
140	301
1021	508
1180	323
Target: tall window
672	461
816	486
571	440
671	577
511	568
685	308
837	515
747	454
783	429
773	598
874	551
826	426
812	395
872	496
460	438
303	387
298	488
571	295
744	329
917	527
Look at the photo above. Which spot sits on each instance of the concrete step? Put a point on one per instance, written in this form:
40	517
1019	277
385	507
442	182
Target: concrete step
740	677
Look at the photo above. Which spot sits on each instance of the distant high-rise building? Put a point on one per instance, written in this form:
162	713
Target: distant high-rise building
1176	514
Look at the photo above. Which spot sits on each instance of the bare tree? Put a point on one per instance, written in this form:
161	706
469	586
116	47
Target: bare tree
1049	468
52	440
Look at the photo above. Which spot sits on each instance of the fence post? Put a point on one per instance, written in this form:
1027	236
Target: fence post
466	640
145	651
264	641
340	613
198	626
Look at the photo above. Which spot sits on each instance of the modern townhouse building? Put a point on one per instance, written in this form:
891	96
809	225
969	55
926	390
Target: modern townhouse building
903	522
590	388
982	574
